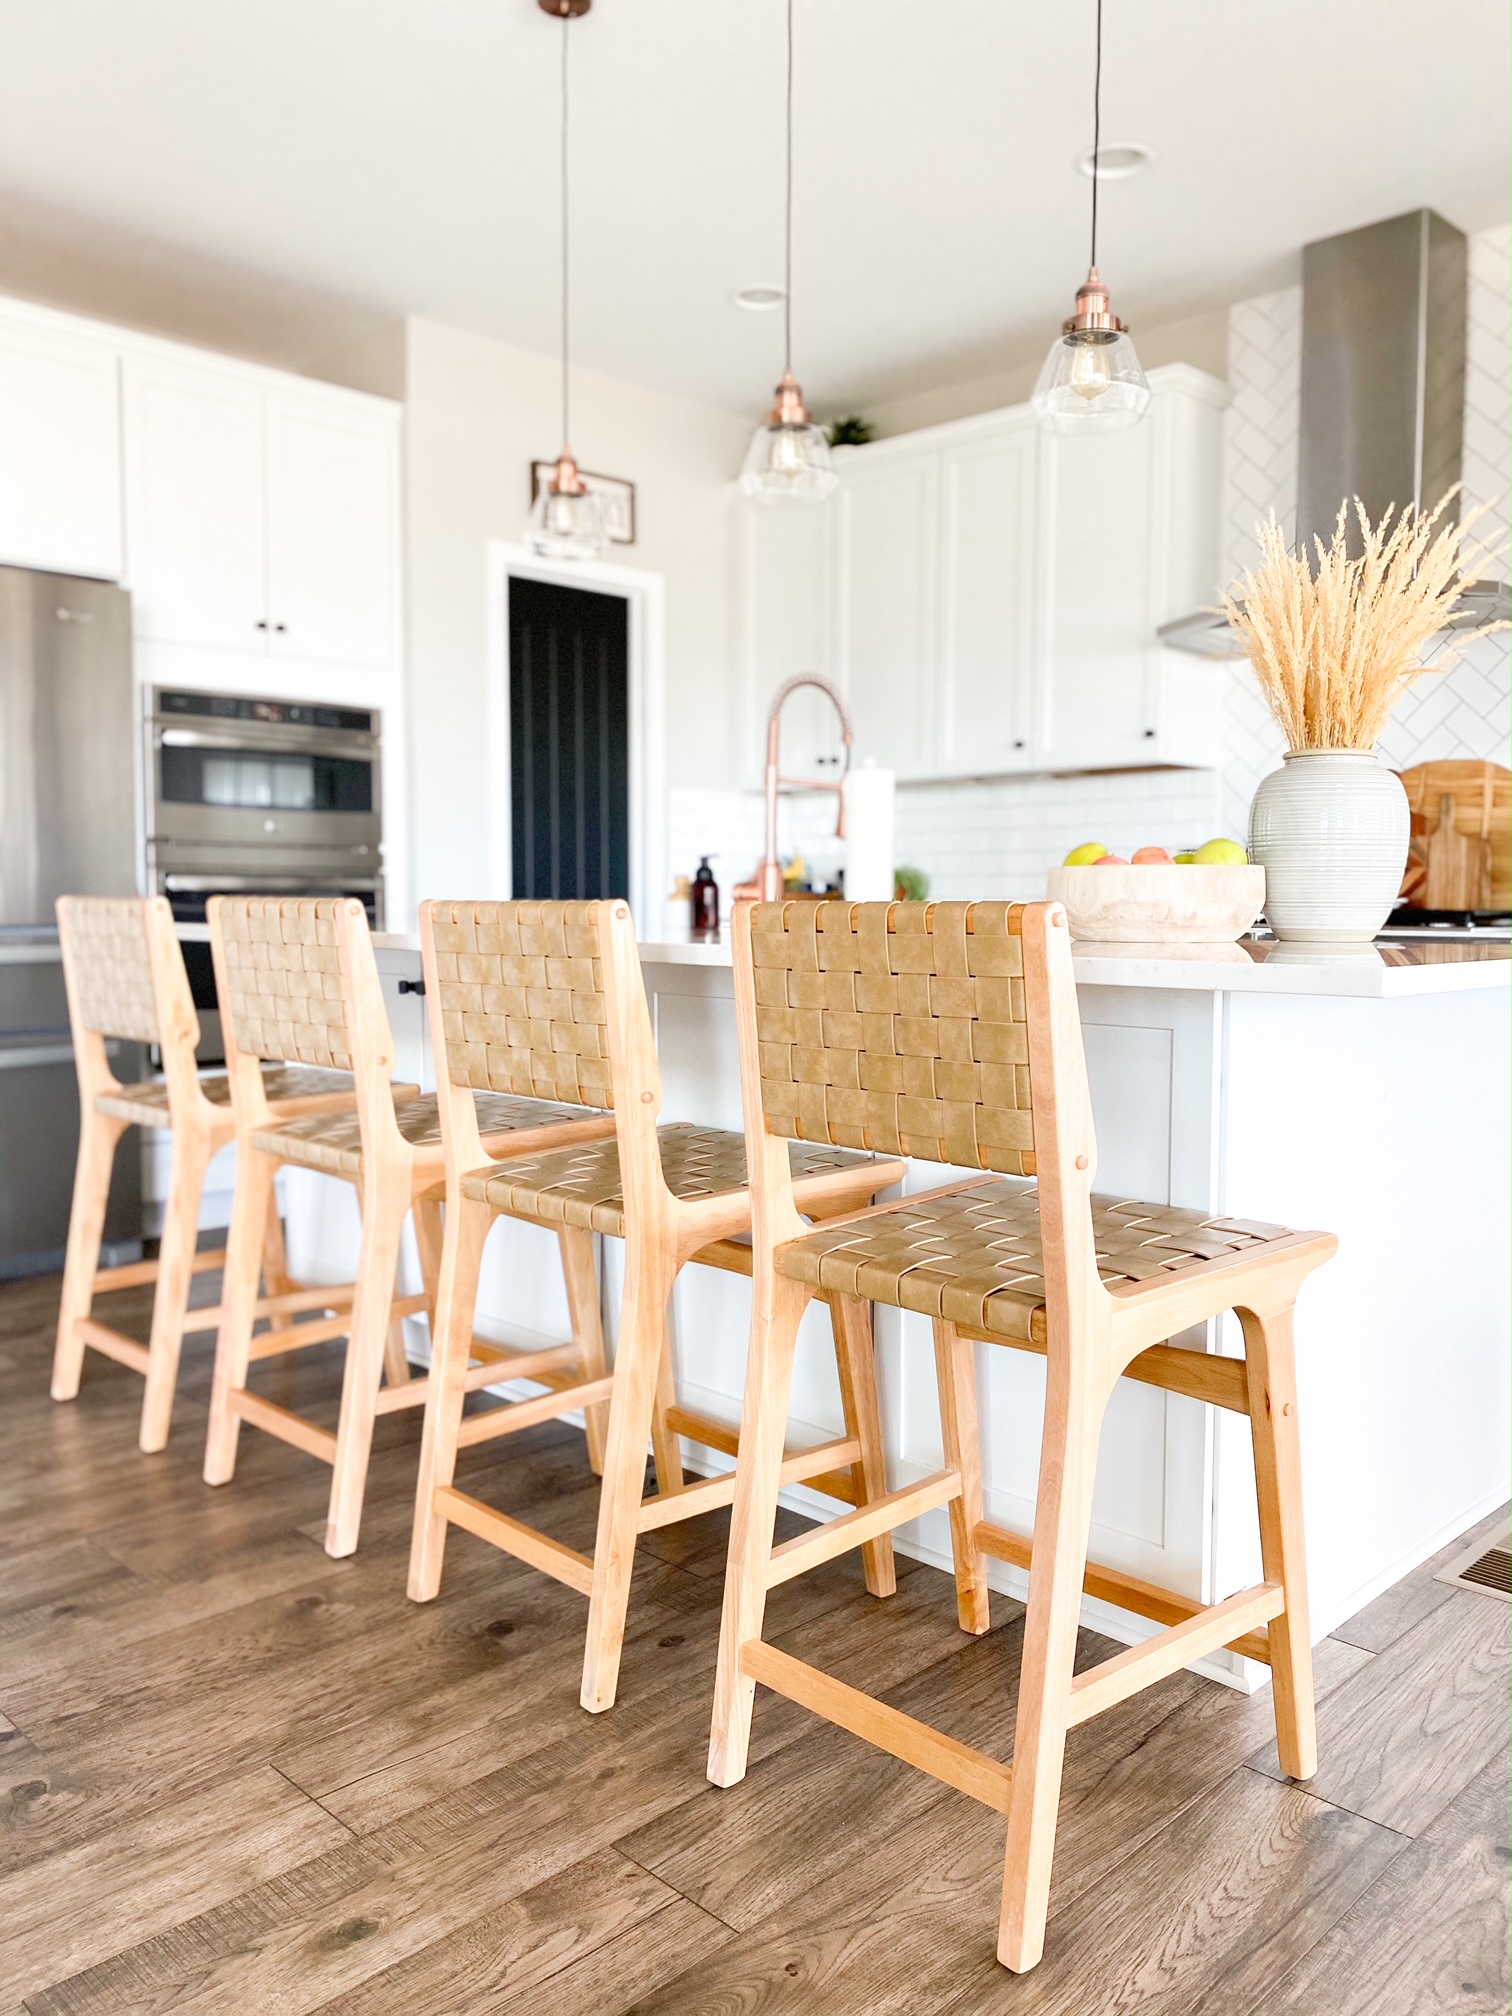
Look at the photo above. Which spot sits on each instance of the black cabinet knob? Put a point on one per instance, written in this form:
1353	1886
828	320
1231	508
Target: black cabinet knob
411	986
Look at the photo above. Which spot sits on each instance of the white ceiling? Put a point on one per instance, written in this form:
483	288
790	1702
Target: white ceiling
282	176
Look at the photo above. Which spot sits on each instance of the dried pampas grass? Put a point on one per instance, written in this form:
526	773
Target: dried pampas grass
1335	645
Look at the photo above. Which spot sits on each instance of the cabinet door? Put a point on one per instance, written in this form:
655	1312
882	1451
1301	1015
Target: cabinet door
1097	697
887	546
60	452
195	548
989	582
332	530
784	581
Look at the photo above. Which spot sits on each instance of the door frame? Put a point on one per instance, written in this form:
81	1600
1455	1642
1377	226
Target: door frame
645	596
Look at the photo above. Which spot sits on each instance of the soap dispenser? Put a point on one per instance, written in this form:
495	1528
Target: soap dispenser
705	898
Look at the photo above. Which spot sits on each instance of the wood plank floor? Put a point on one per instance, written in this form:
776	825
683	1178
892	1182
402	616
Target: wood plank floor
238	1777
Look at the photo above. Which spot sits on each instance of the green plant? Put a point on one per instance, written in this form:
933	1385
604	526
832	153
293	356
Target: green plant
911	885
851	432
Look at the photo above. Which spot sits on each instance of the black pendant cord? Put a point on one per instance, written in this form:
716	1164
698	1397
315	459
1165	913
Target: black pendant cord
1096	130
787	270
566	429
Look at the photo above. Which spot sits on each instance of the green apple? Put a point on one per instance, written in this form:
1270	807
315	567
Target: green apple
1222	854
1184	859
1085	855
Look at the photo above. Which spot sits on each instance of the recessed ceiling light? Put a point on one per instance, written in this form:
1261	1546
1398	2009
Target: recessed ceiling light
759	300
1117	160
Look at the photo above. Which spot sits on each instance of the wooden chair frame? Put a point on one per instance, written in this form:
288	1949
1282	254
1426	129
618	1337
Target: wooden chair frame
395	1177
164	1015
1091	1335
663	1233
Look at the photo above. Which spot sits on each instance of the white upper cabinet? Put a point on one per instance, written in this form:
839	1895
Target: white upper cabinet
1131	538
258	517
885	604
993	592
195	540
332	532
989	562
60	451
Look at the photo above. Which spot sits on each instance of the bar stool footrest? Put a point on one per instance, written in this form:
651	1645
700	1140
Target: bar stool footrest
284	1423
125	1350
955	1764
851	1529
539	1550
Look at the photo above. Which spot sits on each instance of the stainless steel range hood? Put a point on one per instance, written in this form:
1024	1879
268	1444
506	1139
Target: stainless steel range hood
1383	393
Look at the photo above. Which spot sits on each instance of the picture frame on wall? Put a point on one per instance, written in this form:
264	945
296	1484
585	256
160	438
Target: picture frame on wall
618	495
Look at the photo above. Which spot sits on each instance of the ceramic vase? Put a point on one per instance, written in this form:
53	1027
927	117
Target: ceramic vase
1330	828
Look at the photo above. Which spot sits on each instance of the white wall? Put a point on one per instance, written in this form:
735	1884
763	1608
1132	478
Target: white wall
476	414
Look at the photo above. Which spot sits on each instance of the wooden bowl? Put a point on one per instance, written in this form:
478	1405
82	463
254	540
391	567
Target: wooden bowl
1182	904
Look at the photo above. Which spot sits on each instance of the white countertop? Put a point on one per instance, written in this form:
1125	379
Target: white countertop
1382	971
1252	966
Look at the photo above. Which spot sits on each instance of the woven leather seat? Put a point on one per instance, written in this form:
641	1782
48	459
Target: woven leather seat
973	1256
332	1142
581	1186
146	1105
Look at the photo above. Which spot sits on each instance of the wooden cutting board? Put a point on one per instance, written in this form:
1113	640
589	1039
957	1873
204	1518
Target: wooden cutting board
1460	857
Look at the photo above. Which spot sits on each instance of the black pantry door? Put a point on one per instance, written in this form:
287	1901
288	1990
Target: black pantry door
569	741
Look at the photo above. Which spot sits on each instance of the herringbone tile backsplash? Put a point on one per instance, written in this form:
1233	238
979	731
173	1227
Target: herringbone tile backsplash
1464	713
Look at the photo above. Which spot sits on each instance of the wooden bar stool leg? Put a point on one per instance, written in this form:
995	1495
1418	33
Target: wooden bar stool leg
955	1369
251	1208
777	1306
665	1446
855	1360
467	1228
1278	1487
369	1349
1063	1515
425	1215
275	1262
581	1276
643	1321
170	1306
98	1136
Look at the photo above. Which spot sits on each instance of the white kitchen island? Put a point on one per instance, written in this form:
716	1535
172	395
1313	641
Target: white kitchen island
1364	1094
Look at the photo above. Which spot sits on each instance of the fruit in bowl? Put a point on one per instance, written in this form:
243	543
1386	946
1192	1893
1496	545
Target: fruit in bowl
1214	900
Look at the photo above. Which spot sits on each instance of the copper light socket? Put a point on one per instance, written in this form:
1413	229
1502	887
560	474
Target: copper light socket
1094	316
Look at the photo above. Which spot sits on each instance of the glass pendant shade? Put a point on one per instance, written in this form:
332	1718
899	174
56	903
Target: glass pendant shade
1092	382
788	461
567	519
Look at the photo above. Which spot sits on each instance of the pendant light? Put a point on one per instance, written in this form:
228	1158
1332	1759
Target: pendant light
788	461
1092	382
567	519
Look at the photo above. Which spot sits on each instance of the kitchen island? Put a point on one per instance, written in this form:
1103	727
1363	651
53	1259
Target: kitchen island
1364	1094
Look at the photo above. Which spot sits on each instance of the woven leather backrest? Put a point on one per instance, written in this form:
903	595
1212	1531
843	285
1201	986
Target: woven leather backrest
898	1027
522	999
284	976
111	965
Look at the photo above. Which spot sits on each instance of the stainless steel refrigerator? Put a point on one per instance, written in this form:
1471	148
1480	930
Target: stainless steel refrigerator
67	826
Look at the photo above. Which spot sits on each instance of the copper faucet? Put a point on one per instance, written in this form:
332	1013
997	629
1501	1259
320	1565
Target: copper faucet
768	887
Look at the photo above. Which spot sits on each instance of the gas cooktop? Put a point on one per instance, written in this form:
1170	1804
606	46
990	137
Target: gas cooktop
1408	922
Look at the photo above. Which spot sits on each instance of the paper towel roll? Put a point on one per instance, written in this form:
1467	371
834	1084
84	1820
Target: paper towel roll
869	835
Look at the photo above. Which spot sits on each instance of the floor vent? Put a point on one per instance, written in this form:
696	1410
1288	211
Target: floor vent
1486	1570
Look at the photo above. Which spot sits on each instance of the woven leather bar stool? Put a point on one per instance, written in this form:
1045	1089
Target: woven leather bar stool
949	1032
124	974
297	979
548	998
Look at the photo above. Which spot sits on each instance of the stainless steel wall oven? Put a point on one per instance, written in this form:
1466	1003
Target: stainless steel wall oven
246	795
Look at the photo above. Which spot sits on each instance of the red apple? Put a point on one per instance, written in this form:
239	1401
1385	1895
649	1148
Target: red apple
1151	857
1110	861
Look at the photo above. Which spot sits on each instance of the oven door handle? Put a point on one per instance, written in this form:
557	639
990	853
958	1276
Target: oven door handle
258	885
273	742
